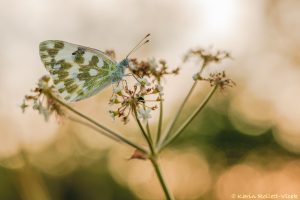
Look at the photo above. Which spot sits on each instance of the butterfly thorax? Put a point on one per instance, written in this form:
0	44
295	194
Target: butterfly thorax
119	73
124	63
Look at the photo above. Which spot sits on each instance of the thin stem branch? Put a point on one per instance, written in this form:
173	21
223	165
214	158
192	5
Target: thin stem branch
171	127
148	131
161	179
149	142
158	135
189	120
94	128
124	140
153	157
148	128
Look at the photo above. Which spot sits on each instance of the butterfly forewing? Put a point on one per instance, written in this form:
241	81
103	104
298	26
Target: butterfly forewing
78	72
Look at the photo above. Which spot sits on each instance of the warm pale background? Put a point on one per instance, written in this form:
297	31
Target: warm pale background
246	142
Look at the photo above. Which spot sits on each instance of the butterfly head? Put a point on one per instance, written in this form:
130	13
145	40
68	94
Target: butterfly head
124	63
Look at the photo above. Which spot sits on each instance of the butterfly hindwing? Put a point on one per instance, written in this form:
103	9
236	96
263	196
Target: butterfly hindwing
77	71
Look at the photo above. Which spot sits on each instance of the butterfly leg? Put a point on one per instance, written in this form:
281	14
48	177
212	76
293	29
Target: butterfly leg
133	75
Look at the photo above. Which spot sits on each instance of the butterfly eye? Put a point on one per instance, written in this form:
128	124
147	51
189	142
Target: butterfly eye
124	62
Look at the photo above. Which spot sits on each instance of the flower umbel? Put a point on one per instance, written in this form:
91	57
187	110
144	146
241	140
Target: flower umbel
135	98
151	69
220	79
207	55
41	99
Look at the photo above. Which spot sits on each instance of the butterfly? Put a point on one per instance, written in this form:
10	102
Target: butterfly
79	72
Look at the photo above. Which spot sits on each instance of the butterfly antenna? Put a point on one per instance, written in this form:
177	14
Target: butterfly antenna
141	43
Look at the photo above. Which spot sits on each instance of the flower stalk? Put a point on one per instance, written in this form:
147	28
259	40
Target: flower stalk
116	135
179	112
148	140
188	121
161	178
160	119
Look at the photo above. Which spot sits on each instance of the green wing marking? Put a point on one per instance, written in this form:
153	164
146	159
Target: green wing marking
78	72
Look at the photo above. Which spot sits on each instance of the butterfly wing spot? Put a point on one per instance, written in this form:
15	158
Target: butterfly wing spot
52	52
62	74
94	61
61	90
64	94
73	71
100	63
59	44
93	72
56	67
64	65
54	76
72	88
78	55
79	51
79	59
60	85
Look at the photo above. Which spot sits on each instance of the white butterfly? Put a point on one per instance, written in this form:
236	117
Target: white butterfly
79	72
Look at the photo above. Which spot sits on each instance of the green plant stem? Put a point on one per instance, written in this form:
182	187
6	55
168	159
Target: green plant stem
153	158
124	140
158	135
161	179
171	127
189	120
148	140
148	129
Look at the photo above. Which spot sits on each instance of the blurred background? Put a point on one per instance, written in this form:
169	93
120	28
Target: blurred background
246	141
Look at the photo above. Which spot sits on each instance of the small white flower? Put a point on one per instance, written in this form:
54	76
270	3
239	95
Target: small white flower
113	100
142	81
112	114
132	66
196	76
144	113
118	89
43	82
153	64
160	89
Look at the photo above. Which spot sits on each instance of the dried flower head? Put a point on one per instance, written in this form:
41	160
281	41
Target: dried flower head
220	79
42	99
151	69
207	55
133	100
